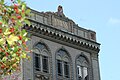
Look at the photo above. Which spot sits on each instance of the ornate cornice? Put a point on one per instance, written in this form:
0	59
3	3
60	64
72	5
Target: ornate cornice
45	30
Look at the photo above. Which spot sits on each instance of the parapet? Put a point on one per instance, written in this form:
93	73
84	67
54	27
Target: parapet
62	23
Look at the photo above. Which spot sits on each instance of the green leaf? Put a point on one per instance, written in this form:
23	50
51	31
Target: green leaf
26	39
23	6
1	20
23	15
13	17
12	39
16	27
28	11
25	34
27	22
14	55
4	59
23	55
7	32
19	1
17	58
20	41
2	41
15	49
19	24
2	2
23	31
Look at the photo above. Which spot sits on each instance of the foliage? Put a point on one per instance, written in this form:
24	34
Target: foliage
12	36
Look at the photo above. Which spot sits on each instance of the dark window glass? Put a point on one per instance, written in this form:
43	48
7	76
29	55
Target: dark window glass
79	78
59	67
45	63
66	69
37	62
78	70
86	78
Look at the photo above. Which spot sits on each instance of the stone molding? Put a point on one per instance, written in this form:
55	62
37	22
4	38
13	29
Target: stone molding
62	35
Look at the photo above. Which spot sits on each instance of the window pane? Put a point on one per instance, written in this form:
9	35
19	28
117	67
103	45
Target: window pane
66	69
37	62
79	73
85	73
45	63
59	67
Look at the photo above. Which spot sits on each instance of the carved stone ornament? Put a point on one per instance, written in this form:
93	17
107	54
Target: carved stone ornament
41	77
60	11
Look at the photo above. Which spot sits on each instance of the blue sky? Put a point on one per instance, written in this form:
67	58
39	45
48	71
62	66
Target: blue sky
102	16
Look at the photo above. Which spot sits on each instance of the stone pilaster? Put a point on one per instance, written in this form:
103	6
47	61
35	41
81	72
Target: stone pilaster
95	66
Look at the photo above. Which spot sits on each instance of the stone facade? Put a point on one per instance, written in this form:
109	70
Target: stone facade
71	51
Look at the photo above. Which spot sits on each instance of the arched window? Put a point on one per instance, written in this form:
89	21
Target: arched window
41	58
82	68
62	64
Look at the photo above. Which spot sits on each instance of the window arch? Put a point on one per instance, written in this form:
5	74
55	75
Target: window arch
42	62
41	58
82	67
63	64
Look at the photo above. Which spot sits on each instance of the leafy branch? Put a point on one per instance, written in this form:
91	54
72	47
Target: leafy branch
13	37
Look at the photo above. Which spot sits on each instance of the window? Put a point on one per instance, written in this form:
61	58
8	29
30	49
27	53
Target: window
63	64
59	67
66	69
45	63
85	73
37	62
82	68
41	58
79	73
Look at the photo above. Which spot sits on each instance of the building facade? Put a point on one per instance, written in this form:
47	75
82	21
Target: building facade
61	49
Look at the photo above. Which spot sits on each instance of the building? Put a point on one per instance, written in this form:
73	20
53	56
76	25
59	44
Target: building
61	49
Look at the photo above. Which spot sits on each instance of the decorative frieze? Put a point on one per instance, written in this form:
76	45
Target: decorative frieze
61	35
